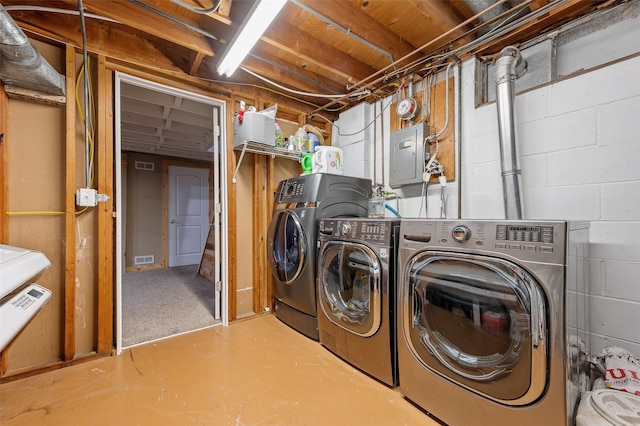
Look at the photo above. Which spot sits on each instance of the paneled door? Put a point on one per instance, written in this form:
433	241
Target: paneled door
188	214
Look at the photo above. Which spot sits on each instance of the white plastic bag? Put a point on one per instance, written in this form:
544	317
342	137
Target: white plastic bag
621	369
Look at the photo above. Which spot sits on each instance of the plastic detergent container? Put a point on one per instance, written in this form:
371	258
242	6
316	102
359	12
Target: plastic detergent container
328	159
607	407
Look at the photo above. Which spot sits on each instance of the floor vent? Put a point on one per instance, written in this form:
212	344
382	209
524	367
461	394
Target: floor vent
145	165
143	260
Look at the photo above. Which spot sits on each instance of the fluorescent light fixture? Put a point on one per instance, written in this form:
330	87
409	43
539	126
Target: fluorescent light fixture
262	13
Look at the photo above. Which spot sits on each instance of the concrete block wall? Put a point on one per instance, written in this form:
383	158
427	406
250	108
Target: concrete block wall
353	134
579	142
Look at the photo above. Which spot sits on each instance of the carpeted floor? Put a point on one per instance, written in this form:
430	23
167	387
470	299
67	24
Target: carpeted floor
164	302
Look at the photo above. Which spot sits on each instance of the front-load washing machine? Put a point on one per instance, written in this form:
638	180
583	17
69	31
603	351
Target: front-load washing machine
484	319
292	239
356	293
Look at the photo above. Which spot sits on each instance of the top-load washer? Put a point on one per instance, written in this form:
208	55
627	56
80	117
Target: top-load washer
487	311
356	293
292	238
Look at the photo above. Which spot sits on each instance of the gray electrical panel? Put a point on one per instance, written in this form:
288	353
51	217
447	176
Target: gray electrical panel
407	155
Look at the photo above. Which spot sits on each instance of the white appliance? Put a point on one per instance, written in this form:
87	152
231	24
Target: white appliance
17	267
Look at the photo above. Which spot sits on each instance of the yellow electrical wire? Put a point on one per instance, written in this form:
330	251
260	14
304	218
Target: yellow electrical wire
83	118
91	148
43	213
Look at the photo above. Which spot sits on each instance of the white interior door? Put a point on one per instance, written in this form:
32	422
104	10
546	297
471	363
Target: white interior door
188	214
220	191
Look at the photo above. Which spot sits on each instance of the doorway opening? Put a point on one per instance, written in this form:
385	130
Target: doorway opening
171	246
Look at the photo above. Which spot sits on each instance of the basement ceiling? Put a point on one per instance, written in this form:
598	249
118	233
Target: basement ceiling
163	123
328	55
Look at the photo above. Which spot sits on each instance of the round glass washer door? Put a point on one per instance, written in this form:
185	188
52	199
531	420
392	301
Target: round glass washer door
349	283
478	321
289	250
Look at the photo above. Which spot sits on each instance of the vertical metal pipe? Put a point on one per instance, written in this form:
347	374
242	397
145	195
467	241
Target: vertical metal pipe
509	66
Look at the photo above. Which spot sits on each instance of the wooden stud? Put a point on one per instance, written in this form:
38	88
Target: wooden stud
232	287
70	209
259	233
269	296
105	156
3	190
3	162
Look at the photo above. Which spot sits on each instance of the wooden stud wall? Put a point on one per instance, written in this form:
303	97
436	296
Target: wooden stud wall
71	349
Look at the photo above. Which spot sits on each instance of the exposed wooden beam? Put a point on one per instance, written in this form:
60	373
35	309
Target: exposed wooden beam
133	15
225	8
442	14
196	63
304	80
103	39
295	42
351	17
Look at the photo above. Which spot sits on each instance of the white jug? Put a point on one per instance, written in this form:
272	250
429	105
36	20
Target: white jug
328	159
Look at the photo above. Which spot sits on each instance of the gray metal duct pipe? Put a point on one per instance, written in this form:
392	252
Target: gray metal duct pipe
21	64
509	66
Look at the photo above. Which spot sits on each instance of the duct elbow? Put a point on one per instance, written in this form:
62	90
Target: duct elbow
510	65
21	64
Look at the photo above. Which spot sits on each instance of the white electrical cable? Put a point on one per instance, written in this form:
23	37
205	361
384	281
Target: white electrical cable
446	95
384	108
297	92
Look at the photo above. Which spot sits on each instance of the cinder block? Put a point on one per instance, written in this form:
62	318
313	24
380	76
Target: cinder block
615	241
481	178
568	203
534	172
611	317
357	168
596	165
600	86
533	105
621	201
353	125
622	280
480	149
618	122
568	131
488	205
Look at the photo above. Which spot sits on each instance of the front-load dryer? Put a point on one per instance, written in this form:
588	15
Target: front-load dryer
356	293
292	239
484	319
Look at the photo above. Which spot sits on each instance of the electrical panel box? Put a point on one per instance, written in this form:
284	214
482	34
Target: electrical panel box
407	157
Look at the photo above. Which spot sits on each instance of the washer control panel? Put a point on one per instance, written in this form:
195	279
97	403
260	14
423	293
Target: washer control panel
362	229
292	189
528	237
